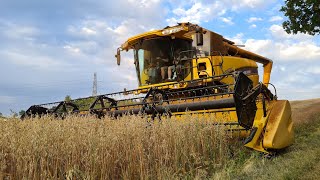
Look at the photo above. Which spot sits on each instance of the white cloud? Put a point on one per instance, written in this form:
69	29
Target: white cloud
253	26
88	31
299	51
71	49
278	32
285	47
254	19
282	68
18	31
262	47
144	3
313	70
294	81
128	28
284	51
197	13
227	20
252	4
87	28
7	99
238	39
30	60
275	18
107	39
83	47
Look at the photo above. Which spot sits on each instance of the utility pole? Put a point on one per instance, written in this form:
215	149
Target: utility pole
95	85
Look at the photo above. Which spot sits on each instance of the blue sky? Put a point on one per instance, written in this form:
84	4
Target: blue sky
50	49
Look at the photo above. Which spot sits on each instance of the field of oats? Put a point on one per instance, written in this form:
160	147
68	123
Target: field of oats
132	148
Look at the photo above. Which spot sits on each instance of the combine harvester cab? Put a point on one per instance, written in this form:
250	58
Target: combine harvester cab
186	69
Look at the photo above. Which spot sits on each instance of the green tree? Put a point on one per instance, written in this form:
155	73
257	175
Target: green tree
303	16
22	112
67	98
1	115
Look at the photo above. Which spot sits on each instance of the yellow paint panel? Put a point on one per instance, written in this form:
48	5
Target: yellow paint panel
279	130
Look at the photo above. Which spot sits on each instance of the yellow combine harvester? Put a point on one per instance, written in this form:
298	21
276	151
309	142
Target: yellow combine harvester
186	69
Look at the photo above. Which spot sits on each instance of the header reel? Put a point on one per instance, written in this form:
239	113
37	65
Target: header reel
242	96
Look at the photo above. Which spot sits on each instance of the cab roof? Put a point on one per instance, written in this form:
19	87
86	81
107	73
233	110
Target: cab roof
179	31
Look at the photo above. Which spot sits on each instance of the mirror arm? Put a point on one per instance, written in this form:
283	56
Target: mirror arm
118	56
